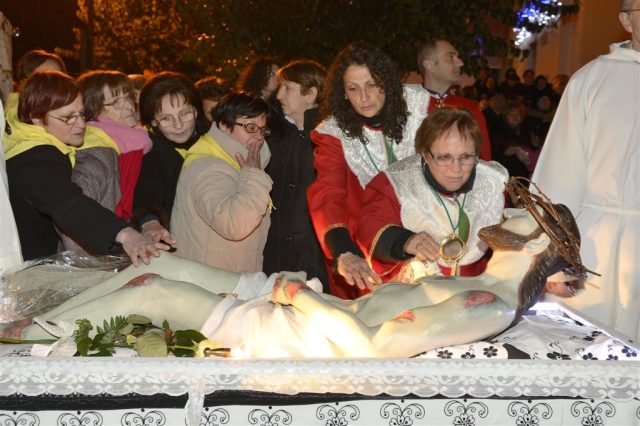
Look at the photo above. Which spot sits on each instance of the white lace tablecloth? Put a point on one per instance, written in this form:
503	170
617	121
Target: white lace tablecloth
422	377
570	360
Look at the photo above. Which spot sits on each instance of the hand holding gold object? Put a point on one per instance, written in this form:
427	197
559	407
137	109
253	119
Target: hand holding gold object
451	250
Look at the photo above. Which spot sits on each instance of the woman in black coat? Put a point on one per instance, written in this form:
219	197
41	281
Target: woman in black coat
42	135
291	243
171	108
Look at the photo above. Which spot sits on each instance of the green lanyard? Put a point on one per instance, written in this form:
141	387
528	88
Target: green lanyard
463	224
391	156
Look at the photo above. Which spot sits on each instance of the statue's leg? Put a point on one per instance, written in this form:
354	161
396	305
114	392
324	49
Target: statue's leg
168	266
183	305
465	317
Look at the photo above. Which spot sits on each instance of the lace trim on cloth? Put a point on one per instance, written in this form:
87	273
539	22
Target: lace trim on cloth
422	377
452	378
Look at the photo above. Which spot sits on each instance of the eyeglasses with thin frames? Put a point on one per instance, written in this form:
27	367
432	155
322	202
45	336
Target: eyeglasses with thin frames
69	119
168	121
120	102
254	128
447	160
630	10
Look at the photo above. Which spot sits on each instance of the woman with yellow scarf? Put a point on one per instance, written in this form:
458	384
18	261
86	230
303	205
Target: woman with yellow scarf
40	144
221	214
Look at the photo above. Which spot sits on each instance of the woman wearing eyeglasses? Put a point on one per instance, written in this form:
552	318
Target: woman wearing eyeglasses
110	108
172	110
108	162
221	214
369	120
421	216
40	146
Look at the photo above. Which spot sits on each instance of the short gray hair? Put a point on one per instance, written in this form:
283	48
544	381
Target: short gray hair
427	48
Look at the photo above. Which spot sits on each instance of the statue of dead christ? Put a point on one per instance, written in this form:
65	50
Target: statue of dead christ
282	316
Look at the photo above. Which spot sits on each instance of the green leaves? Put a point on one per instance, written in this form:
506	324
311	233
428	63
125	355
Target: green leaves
151	343
135	332
81	336
186	342
140	320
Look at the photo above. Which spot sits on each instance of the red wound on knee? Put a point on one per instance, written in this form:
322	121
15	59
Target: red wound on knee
408	315
293	287
140	279
479	298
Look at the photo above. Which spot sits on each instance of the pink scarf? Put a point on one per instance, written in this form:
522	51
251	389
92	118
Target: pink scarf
127	138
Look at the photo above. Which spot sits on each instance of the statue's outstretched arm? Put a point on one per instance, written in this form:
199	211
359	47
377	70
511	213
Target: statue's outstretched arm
466	317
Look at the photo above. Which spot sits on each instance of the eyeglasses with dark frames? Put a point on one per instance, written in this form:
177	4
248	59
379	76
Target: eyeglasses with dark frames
254	128
70	119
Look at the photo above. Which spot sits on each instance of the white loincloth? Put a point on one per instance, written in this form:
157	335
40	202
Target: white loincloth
258	328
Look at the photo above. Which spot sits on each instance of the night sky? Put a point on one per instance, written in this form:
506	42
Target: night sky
45	24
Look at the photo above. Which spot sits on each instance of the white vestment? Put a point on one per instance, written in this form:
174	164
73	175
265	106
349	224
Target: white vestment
259	328
591	163
10	254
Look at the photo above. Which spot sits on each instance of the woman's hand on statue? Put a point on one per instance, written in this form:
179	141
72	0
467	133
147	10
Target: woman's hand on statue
137	247
155	232
422	246
253	156
356	271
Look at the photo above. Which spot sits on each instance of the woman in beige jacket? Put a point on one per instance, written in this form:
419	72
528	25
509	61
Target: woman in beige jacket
221	212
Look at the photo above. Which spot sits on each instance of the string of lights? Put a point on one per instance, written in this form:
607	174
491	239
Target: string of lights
535	15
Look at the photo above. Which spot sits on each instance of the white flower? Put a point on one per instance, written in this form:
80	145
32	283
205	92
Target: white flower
63	330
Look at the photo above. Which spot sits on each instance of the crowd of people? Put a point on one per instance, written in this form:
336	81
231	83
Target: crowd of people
347	173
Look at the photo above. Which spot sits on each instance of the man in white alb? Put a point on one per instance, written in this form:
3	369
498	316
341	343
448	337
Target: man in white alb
591	163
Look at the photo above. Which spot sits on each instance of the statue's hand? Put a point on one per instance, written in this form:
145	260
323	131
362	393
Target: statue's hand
422	246
356	271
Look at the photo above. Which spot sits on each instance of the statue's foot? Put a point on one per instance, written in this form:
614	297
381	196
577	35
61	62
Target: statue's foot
14	329
284	290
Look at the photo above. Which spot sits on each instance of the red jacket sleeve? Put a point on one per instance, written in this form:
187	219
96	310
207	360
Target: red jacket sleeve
380	209
328	195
